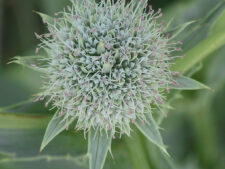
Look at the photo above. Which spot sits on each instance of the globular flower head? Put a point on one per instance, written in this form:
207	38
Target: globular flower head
107	63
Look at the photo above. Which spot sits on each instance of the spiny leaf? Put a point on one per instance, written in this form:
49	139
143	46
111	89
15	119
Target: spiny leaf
46	18
150	129
30	62
98	145
55	126
200	51
186	83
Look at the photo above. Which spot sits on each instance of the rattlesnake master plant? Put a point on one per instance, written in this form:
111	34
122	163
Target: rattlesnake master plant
107	64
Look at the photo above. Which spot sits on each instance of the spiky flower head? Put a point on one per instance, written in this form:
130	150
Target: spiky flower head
107	63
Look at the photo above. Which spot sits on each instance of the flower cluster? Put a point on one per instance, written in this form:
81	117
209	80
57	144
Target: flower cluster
107	63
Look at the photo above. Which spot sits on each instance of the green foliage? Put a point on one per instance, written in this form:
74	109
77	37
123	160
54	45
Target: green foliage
99	143
186	83
151	131
202	39
201	51
174	32
45	17
29	62
137	151
55	126
22	121
197	42
219	23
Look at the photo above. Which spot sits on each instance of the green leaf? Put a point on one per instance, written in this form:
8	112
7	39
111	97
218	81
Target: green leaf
215	75
151	131
135	146
98	145
22	121
219	24
200	30
16	105
177	30
157	159
4	155
200	51
30	62
186	83
55	126
80	160
67	144
48	19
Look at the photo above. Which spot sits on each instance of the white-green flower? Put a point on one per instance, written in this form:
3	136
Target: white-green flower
107	64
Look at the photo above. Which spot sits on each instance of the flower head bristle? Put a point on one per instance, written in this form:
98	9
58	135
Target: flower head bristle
106	63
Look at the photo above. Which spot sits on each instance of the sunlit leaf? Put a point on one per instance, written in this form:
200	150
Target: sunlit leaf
186	83
55	126
98	145
200	51
151	131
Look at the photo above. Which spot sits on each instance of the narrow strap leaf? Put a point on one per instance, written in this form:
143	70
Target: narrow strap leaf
22	121
219	23
16	105
79	160
55	126
151	131
98	145
168	25
4	154
155	155
200	51
137	151
201	30
187	83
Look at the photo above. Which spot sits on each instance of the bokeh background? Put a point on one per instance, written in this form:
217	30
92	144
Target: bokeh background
194	131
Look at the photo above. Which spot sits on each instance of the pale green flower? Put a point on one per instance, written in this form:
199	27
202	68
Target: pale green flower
107	64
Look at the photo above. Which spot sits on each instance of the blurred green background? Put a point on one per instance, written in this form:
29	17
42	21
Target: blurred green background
194	131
